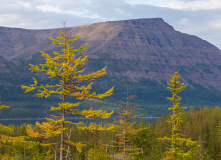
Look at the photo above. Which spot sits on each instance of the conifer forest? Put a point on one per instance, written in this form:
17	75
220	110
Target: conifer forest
183	134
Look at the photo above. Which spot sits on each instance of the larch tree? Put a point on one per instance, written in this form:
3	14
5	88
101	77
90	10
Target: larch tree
177	139
68	67
125	128
97	151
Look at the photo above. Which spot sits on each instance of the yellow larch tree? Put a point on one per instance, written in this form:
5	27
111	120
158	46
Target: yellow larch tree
177	139
68	67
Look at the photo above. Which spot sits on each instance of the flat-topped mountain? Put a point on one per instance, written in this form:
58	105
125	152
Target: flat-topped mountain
140	53
151	46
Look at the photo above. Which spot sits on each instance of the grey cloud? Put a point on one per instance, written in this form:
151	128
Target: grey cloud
33	18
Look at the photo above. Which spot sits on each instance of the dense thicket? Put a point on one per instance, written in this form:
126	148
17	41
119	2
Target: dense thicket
203	125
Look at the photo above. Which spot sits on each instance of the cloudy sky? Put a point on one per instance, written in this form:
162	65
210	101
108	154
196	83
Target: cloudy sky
197	17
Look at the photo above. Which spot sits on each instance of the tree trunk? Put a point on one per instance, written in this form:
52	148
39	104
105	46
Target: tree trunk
62	139
69	140
125	140
62	132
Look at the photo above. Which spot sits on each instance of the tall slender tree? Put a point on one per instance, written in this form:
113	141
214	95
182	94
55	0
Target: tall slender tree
68	67
177	139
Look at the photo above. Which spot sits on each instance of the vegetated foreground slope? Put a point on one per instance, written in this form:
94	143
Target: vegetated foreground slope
138	53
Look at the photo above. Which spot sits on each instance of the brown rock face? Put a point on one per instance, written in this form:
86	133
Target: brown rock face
141	48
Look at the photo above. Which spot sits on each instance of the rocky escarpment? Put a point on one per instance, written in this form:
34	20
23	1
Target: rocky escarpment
150	48
140	48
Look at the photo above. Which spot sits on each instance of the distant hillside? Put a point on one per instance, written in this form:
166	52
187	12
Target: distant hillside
139	53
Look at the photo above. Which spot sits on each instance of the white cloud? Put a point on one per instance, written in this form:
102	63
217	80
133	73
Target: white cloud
194	5
181	4
24	4
215	24
8	18
146	2
48	8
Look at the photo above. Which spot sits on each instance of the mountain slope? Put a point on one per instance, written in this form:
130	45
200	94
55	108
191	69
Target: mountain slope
139	53
154	47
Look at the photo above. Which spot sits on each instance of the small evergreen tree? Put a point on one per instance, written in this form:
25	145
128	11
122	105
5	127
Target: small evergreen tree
67	67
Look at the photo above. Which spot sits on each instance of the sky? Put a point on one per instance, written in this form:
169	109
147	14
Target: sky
195	17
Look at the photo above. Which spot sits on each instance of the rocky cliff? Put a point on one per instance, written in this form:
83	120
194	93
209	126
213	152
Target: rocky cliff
148	48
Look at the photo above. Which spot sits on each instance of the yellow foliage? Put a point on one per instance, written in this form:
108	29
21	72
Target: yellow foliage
79	146
93	113
94	127
9	157
32	86
31	132
3	106
6	129
66	106
48	130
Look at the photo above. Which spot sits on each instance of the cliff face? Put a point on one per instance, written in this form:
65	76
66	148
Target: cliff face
140	48
150	48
